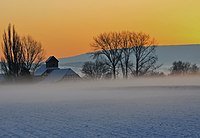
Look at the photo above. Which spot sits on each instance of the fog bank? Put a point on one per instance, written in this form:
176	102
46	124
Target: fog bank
98	90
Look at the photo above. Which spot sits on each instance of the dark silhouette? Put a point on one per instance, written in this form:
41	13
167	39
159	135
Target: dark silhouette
181	68
144	51
127	50
96	70
20	56
119	48
33	53
194	69
108	45
52	62
12	62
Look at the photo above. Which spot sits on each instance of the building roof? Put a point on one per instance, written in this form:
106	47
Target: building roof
54	74
59	74
51	58
41	70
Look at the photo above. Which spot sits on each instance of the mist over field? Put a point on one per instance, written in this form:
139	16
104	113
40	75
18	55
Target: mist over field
89	90
143	107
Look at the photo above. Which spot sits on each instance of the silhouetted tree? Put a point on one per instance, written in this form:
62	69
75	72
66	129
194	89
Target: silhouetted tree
20	56
108	45
144	51
127	50
194	69
12	62
179	67
95	70
33	53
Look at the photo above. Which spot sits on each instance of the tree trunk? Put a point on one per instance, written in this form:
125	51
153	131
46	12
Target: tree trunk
126	70
114	72
137	68
123	70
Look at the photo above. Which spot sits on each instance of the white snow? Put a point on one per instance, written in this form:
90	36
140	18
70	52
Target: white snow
162	107
58	74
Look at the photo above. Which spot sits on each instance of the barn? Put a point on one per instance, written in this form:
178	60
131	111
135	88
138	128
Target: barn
50	72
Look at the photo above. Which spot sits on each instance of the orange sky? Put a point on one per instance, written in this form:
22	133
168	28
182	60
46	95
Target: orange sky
66	27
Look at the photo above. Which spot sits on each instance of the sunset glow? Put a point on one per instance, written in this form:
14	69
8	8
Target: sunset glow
67	27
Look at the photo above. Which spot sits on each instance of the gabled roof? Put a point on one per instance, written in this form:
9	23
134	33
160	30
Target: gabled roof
41	70
59	74
51	58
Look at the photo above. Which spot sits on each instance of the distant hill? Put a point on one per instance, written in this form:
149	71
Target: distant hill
167	54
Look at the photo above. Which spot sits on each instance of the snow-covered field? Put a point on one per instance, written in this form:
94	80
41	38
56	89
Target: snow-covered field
166	107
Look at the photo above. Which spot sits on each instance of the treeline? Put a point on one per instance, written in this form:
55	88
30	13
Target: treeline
113	54
183	68
21	55
129	54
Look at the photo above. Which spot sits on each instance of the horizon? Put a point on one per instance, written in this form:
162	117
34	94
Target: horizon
66	28
175	45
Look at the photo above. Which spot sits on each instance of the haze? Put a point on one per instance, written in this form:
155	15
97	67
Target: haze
90	90
161	107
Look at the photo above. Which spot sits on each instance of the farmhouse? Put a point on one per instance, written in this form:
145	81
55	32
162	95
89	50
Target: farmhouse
50	72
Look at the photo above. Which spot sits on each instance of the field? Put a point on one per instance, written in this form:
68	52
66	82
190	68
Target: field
166	107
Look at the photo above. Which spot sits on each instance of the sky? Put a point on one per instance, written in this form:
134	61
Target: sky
67	27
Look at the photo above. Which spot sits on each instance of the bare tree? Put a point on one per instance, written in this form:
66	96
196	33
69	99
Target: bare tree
127	50
194	69
88	69
12	61
33	53
20	56
95	70
144	48
180	67
108	44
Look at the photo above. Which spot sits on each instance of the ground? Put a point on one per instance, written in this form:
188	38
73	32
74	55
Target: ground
105	110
